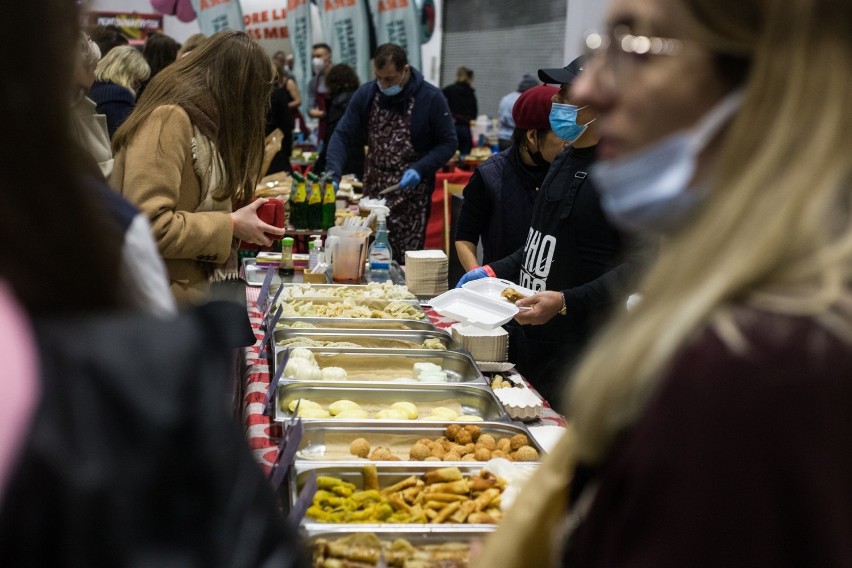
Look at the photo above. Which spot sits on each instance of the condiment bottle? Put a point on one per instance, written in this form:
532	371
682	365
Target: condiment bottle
285	268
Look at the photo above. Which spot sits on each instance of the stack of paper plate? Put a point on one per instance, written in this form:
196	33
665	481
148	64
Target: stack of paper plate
426	272
483	344
520	403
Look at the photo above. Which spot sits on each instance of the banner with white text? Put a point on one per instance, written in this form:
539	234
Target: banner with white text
346	29
299	29
397	21
217	15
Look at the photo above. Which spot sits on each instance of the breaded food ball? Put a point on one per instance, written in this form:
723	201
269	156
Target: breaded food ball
381	454
451	431
500	454
471	447
448	445
475	431
468	458
452	457
394	458
460	450
504	445
432	459
519	440
463	437
482	454
487	441
419	452
526	454
425	441
438	450
360	447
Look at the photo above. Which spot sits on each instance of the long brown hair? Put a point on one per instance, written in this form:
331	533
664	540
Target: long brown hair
776	232
232	75
46	208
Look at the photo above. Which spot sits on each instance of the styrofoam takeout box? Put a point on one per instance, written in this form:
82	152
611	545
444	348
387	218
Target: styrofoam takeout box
473	309
492	288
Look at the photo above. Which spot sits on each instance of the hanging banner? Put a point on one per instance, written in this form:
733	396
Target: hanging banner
266	22
347	31
397	21
301	40
217	15
134	26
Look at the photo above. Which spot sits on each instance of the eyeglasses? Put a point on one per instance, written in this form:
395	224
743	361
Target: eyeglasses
620	53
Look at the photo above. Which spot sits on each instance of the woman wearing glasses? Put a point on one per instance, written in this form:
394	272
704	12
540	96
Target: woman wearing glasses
712	425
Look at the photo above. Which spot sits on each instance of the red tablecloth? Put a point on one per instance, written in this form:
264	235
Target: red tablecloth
262	432
435	228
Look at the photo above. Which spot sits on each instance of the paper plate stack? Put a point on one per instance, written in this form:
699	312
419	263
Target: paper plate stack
483	344
426	272
519	401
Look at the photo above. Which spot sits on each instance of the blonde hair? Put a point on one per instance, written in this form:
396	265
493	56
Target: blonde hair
230	75
124	66
776	234
192	42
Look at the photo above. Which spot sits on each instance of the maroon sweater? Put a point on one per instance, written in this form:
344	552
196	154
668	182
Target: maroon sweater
739	460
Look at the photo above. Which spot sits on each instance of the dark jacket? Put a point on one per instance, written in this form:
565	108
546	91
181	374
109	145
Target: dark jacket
741	459
280	115
134	458
572	248
498	204
432	131
461	98
114	101
335	109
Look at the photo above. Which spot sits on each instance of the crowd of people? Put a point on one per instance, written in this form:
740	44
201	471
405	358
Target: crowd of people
683	157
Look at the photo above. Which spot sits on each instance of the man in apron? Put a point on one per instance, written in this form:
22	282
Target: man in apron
409	133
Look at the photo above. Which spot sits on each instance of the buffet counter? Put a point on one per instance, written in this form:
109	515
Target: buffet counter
264	434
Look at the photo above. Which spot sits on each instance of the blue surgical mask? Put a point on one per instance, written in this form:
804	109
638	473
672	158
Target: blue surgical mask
563	121
649	190
393	89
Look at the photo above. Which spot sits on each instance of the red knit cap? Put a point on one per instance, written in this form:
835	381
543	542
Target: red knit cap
532	109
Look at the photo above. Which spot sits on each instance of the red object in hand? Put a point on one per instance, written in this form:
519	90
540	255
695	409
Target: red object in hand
271	212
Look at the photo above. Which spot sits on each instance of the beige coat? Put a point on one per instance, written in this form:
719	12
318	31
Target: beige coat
155	171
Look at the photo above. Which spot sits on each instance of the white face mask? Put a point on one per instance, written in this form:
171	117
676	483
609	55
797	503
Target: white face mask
648	191
317	64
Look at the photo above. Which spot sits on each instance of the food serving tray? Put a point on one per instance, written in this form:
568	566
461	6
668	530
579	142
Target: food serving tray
417	535
389	365
372	306
337	291
370	339
469	399
388	475
329	440
303	323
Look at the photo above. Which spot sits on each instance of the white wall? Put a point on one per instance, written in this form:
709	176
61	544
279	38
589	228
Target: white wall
580	17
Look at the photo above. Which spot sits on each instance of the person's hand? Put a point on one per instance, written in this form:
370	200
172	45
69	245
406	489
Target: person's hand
544	306
249	228
410	178
475	274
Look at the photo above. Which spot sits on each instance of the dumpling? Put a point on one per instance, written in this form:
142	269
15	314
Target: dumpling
302	353
447	413
339	406
299	369
408	408
305	403
391	414
334	374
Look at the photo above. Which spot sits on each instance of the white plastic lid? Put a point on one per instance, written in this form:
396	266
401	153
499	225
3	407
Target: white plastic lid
492	288
473	309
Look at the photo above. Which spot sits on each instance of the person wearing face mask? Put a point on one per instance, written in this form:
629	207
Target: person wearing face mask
498	199
406	124
317	91
579	266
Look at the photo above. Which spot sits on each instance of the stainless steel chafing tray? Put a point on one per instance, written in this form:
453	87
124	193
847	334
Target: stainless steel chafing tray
390	365
476	400
388	475
355	323
371	304
324	540
371	339
329	440
334	291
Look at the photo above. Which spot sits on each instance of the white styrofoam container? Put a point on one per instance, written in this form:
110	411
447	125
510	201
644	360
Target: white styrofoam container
491	288
474	309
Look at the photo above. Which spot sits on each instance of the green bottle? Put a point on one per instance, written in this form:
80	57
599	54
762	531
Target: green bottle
328	205
314	204
300	204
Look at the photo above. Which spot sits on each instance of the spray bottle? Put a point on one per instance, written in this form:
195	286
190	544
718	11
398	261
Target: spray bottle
380	251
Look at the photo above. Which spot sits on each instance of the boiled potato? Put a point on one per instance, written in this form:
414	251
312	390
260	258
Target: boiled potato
447	413
352	413
469	418
340	405
305	403
408	408
391	414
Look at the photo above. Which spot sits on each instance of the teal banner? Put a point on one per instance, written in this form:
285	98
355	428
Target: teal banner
301	39
345	27
217	15
397	21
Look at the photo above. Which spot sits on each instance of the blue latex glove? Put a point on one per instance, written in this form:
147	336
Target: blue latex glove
410	178
476	274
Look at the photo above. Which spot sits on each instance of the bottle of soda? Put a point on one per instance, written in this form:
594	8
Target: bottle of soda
300	202
314	203
328	205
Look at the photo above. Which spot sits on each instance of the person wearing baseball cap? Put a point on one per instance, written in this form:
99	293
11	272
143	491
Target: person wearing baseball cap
577	266
499	198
